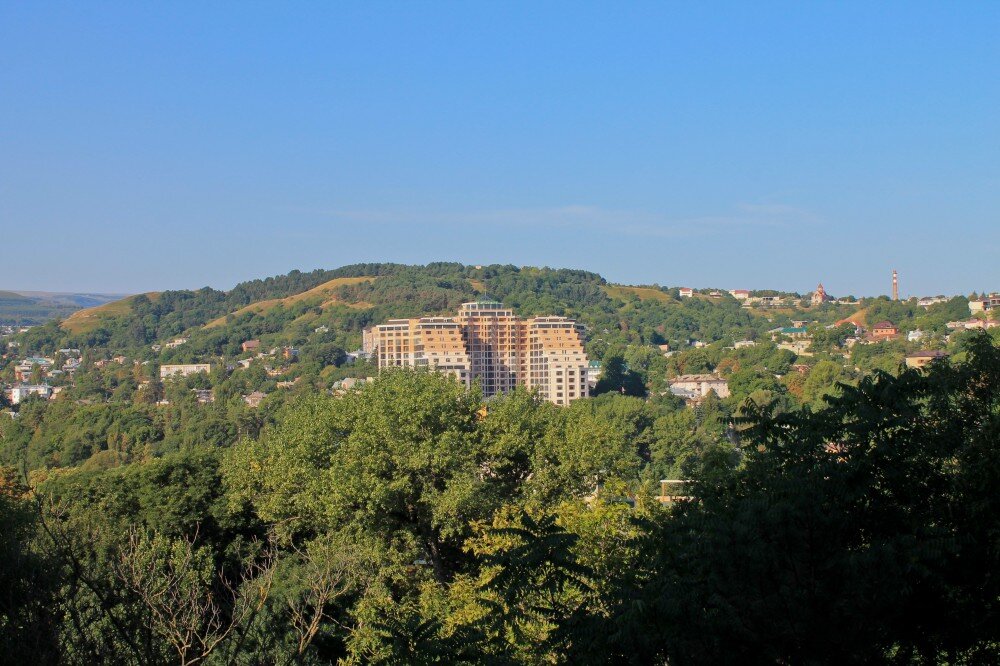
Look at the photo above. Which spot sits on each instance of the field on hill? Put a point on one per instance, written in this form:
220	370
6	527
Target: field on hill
89	319
622	292
323	293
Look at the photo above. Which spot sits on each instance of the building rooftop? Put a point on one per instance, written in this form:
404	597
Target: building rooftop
928	354
697	378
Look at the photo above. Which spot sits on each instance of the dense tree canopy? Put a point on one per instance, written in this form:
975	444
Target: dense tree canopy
409	521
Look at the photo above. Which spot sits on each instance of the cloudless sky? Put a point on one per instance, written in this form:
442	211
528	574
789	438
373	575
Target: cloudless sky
146	146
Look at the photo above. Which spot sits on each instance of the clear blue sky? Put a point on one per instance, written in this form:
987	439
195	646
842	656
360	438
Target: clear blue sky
146	146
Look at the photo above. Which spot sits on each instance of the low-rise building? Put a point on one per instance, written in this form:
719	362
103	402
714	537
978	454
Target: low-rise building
686	292
922	359
765	301
19	392
204	396
972	324
23	370
250	346
254	399
797	347
740	294
349	383
176	342
593	373
884	330
699	385
793	332
984	304
183	369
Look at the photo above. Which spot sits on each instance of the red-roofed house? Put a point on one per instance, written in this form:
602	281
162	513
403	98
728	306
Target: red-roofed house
884	330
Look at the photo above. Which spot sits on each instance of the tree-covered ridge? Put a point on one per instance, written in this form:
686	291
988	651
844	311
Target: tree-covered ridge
408	522
396	291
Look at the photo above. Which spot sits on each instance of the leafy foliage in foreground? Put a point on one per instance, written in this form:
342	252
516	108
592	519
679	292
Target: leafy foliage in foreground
402	524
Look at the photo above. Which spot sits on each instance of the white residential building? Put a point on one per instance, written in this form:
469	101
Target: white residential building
184	369
21	391
699	386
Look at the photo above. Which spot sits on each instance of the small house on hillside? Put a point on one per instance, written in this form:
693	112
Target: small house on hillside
254	399
922	359
698	386
884	330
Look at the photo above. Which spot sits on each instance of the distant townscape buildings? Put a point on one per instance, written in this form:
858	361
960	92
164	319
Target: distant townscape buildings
489	343
923	358
985	304
695	387
19	392
184	369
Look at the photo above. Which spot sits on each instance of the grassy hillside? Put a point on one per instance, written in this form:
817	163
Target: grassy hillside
325	295
623	292
90	319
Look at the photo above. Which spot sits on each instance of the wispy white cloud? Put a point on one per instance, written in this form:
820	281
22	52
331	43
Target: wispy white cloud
629	222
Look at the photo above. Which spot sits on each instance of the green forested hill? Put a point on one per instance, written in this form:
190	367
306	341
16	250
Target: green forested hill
286	309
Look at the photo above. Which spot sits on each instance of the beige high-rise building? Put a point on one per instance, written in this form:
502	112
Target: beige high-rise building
489	343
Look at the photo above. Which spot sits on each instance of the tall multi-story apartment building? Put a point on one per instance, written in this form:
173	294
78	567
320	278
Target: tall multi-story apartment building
489	343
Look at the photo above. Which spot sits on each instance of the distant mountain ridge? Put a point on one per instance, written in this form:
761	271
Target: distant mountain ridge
36	307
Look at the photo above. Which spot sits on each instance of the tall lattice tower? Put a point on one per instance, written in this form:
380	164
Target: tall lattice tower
895	285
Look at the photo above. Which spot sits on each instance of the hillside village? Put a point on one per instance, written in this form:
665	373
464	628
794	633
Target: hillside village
319	337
